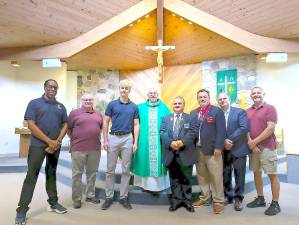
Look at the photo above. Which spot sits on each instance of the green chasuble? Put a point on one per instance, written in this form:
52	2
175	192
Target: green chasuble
147	161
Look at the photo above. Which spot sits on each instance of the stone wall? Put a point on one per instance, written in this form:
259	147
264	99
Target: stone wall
102	83
246	72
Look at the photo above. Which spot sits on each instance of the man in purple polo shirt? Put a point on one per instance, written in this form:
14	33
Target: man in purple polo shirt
262	143
85	125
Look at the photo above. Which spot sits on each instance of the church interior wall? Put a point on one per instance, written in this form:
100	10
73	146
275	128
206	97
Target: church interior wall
183	80
141	81
19	85
246	75
280	82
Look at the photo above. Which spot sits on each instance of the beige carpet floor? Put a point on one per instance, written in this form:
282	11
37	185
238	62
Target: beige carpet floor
91	214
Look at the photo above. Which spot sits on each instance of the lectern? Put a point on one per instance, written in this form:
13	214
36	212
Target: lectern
24	133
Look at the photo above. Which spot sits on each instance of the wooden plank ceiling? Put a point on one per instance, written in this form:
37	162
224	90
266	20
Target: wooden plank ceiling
125	49
195	43
26	23
277	19
44	22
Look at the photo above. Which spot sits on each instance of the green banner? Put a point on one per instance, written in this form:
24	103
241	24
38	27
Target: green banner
227	82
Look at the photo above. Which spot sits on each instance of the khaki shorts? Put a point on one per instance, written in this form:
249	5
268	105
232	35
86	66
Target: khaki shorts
266	161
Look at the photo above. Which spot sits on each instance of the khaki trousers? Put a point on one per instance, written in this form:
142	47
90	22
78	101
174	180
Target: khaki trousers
210	177
90	160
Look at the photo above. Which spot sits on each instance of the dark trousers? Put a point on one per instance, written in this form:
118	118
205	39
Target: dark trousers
35	160
238	165
180	182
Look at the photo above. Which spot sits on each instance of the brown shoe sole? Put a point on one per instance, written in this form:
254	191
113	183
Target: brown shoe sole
218	208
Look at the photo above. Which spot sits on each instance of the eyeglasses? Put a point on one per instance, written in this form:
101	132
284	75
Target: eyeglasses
52	87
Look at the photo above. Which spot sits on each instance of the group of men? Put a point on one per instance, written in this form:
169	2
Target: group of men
162	146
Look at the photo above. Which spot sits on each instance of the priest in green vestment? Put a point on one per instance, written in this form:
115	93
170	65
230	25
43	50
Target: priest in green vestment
147	167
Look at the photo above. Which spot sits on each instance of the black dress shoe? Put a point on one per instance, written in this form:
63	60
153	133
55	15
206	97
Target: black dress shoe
238	206
125	203
173	208
108	202
189	208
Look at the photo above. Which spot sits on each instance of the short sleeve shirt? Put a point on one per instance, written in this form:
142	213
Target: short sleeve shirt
122	115
49	117
258	118
85	130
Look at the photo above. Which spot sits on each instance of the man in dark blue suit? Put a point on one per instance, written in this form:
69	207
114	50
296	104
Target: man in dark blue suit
235	151
208	130
179	155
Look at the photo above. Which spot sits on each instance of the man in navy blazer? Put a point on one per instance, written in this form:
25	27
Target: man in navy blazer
208	130
179	155
235	151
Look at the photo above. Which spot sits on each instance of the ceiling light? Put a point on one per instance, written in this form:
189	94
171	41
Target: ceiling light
147	16
15	64
276	57
51	63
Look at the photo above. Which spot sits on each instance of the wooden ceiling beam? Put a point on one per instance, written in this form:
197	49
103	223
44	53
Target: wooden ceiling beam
160	6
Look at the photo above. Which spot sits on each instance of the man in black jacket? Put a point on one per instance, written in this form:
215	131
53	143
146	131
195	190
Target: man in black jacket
180	155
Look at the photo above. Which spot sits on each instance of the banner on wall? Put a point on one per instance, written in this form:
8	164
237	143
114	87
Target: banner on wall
227	82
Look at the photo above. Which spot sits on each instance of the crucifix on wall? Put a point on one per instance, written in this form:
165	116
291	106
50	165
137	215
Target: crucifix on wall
160	48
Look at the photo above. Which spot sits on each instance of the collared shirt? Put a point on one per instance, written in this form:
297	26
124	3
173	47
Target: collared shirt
122	115
85	129
258	118
49	116
226	115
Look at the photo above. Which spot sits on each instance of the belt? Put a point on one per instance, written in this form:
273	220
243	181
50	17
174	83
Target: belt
119	133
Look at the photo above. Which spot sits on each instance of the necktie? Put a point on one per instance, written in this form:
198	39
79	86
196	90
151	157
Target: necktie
176	127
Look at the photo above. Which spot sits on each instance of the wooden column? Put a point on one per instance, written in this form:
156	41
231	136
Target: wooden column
160	27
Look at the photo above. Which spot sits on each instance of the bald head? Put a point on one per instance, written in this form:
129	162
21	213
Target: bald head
223	101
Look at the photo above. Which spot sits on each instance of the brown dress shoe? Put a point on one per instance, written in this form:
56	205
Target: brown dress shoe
218	207
199	203
238	205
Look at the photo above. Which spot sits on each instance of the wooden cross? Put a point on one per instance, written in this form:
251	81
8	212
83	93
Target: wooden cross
160	48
